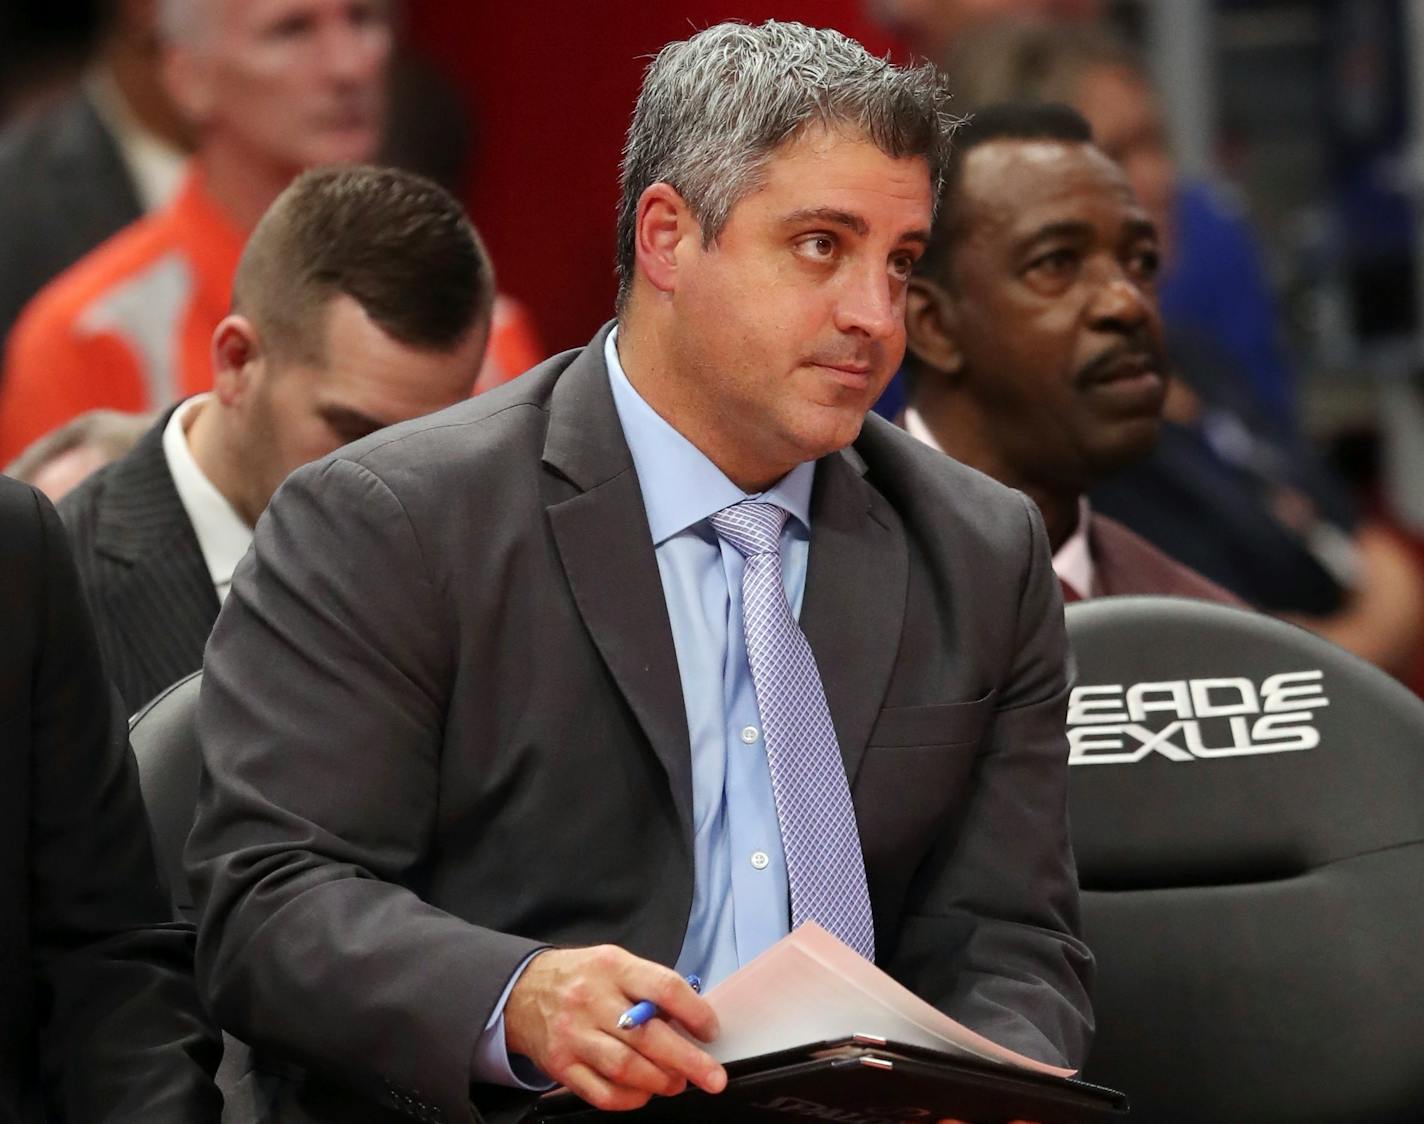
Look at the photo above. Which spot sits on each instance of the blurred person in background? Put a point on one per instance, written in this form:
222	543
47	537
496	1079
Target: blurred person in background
60	460
1232	490
100	1022
362	299
1036	351
106	154
272	87
932	27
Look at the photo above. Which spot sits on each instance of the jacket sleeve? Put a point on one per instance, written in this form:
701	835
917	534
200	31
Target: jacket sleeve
322	720
123	1037
992	933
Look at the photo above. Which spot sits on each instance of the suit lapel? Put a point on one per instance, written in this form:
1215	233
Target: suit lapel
854	605
148	544
606	549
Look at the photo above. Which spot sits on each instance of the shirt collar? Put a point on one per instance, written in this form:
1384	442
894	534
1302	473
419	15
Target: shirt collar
1073	562
680	485
222	535
915	426
155	166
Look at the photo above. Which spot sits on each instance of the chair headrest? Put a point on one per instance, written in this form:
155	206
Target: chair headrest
164	736
1214	745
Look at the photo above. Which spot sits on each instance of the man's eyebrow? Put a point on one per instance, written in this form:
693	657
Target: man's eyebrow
1140	228
347	420
1068	228
848	219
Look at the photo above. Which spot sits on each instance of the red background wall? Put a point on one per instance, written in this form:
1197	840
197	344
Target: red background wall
551	86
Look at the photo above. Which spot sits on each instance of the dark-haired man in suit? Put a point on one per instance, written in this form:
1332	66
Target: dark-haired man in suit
363	298
1035	339
99	1021
518	713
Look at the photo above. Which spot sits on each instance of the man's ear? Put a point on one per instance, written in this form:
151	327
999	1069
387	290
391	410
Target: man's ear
931	327
664	224
237	359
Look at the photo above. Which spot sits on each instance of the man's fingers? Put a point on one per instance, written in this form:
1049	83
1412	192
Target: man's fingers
673	995
623	1064
563	1013
671	1052
601	1093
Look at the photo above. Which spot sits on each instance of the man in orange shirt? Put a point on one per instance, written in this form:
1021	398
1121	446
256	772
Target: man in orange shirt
273	87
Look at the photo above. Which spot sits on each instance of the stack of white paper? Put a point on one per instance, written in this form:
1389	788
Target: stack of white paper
809	987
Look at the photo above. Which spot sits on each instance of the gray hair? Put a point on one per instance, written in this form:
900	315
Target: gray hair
714	108
109	432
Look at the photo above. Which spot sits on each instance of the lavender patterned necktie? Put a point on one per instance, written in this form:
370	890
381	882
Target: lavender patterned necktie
823	860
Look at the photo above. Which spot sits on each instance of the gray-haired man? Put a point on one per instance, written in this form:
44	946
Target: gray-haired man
519	713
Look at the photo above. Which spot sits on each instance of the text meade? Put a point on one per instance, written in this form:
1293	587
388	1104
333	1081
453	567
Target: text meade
1108	724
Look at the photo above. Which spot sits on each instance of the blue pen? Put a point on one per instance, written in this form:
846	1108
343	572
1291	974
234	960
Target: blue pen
645	1009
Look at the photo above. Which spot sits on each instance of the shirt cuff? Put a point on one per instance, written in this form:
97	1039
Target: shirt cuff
493	1064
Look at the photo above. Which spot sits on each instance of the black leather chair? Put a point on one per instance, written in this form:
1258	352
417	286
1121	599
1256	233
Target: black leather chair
164	735
1247	808
165	743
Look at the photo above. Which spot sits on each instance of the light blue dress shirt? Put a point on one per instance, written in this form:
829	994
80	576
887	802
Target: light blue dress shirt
740	895
740	899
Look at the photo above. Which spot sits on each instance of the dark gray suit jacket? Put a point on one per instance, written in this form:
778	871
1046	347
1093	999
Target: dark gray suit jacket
442	726
142	570
64	188
99	1019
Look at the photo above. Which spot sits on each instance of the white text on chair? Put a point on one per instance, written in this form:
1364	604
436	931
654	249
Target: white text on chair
1112	724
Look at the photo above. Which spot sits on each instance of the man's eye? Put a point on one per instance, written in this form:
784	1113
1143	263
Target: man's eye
366	15
1144	265
818	247
902	266
292	27
1056	263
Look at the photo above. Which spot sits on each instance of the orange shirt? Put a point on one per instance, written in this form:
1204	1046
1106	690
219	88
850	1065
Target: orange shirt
127	327
514	344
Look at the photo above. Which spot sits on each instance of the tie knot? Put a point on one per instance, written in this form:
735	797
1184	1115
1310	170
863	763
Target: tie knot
753	528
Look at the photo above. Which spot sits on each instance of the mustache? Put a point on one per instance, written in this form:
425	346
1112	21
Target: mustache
1134	353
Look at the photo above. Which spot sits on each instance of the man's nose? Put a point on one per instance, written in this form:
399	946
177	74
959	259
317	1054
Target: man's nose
868	304
1121	303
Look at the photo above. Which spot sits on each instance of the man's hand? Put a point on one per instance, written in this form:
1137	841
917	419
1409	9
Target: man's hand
563	1015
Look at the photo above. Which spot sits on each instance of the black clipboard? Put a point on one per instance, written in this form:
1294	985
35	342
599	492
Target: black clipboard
864	1080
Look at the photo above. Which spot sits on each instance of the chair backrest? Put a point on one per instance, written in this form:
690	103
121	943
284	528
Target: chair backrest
1247	808
165	742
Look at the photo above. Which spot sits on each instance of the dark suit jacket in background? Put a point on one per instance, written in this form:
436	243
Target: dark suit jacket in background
1124	563
98	1014
442	725
1209	516
64	188
142	570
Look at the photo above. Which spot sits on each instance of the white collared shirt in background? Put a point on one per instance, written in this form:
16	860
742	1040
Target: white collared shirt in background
1073	561
223	537
157	167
